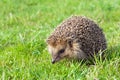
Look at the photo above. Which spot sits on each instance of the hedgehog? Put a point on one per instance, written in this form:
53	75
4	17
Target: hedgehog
76	37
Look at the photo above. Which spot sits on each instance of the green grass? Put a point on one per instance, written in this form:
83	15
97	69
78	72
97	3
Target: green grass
25	25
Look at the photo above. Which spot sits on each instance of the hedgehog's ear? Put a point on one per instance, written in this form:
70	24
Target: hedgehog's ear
69	41
49	41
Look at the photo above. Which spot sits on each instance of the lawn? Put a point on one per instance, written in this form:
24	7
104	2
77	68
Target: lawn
25	25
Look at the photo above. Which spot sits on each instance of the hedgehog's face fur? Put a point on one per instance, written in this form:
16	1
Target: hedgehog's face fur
60	50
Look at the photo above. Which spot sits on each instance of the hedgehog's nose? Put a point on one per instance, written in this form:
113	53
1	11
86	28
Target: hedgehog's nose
53	61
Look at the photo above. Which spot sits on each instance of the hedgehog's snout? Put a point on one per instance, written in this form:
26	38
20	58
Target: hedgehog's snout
54	60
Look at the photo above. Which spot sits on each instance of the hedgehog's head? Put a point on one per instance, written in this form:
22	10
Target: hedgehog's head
60	49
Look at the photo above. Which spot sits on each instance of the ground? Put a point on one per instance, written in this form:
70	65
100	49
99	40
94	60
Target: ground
25	25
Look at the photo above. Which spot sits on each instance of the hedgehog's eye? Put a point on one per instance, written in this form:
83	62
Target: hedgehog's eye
61	51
